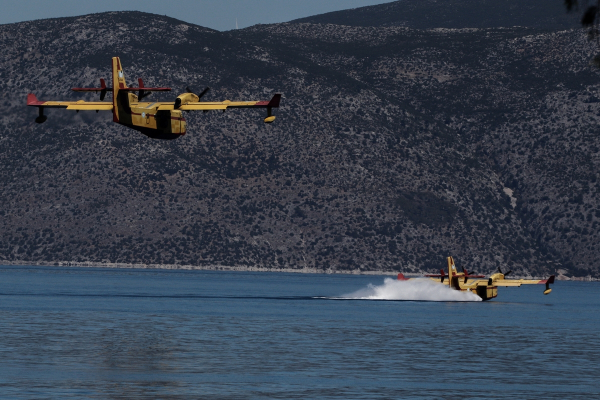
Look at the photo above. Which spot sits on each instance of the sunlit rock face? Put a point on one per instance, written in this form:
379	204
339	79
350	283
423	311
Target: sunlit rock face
393	148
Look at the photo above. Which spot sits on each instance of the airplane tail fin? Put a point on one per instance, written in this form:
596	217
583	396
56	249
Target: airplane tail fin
118	75
451	265
451	270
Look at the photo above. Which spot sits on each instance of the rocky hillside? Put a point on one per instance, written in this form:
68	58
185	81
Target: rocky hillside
455	14
393	148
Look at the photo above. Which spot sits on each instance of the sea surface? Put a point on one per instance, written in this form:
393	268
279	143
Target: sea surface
96	333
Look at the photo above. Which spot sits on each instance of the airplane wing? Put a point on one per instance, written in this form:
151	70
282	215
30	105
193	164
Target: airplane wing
193	106
508	283
222	105
519	282
512	282
33	101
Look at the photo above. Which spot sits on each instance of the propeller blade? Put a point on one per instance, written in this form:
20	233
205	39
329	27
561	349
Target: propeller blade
142	93
103	91
203	92
187	89
507	274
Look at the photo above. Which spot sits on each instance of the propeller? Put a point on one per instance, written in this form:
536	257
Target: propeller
103	91
505	274
441	275
187	89
142	92
467	276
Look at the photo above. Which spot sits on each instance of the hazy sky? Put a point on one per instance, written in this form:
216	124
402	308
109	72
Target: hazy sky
216	14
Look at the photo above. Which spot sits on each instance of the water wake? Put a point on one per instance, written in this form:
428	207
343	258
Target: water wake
414	289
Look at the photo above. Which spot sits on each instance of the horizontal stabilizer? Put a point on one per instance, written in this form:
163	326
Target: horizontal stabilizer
76	89
127	89
440	275
146	89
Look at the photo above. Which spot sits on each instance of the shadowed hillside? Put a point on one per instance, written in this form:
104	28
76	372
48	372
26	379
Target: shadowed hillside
393	148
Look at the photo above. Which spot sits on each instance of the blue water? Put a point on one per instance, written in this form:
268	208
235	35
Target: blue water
113	333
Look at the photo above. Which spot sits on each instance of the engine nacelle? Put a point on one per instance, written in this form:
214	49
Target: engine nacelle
185	98
496	277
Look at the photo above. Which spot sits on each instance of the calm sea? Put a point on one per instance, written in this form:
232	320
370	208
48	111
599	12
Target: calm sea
114	333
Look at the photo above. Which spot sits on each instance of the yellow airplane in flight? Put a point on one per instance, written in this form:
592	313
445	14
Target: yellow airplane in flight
484	288
158	120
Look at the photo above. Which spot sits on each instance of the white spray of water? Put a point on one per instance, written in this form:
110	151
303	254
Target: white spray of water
414	289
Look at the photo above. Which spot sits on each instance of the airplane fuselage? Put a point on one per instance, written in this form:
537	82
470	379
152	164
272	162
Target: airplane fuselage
147	119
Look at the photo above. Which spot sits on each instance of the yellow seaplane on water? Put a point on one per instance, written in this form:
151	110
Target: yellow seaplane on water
484	288
158	120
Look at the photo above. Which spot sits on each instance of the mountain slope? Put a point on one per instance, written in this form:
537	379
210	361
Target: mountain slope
429	14
393	148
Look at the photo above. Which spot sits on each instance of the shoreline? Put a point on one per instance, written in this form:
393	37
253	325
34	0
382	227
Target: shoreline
243	268
238	268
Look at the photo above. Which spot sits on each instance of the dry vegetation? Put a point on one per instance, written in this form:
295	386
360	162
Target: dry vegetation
393	148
